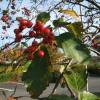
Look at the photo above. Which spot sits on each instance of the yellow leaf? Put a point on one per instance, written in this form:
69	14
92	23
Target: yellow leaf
70	12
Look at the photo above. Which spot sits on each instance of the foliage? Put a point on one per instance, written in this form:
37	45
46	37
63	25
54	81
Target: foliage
76	78
87	96
43	17
37	82
69	12
73	47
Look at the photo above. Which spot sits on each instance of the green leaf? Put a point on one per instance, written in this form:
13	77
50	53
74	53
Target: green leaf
76	78
75	28
43	17
60	22
87	96
26	65
73	48
37	76
59	97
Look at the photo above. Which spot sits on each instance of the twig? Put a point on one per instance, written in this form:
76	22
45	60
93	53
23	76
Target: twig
60	77
95	4
95	51
55	6
9	4
14	91
6	47
81	5
71	92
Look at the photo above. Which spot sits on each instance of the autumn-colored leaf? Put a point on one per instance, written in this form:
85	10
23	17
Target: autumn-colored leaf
70	12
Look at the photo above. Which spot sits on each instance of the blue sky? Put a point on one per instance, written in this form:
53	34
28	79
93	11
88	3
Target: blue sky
10	33
27	4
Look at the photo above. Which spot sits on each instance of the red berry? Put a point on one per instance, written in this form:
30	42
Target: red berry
29	24
18	37
46	30
16	31
41	53
31	34
30	56
39	33
38	26
5	18
48	39
21	28
23	22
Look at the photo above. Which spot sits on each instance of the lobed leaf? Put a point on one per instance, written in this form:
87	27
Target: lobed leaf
37	76
74	48
76	78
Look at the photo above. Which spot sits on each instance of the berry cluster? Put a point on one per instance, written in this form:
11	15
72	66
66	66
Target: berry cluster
40	31
37	31
23	25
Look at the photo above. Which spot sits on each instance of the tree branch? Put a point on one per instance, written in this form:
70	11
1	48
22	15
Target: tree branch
81	5
94	3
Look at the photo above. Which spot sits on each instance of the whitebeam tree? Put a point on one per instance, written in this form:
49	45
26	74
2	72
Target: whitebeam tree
56	40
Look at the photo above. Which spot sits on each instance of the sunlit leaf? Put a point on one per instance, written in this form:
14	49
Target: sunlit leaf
26	65
69	12
74	48
87	96
76	78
